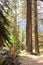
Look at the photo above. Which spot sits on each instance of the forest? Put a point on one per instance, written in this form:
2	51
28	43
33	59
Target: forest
21	32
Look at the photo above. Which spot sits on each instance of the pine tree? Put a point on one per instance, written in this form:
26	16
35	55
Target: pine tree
36	28
29	26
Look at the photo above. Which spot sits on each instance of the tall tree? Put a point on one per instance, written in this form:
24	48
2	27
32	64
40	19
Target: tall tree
15	21
36	27
29	26
14	17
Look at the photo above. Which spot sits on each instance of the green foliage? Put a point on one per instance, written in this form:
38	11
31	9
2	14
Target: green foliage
12	38
15	42
4	22
7	45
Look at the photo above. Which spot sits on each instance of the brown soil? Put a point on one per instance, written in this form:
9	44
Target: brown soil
28	59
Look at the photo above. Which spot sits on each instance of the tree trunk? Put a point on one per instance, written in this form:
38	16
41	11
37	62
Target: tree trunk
36	28
15	22
29	26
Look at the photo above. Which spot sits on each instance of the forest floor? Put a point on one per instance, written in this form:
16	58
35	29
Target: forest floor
28	59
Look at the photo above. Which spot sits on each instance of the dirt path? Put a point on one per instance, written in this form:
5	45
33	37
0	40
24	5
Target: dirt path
31	60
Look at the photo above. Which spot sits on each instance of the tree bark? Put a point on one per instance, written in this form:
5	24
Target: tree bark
36	28
15	32
29	26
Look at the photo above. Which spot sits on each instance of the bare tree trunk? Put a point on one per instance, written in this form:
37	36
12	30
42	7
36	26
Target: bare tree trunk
29	26
15	22
36	28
